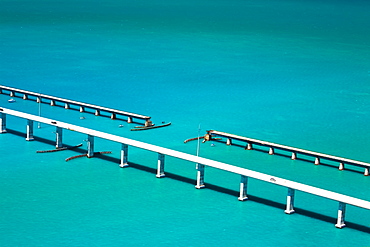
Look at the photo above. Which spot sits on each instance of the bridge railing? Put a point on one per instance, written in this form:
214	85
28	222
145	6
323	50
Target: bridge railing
52	100
201	162
273	146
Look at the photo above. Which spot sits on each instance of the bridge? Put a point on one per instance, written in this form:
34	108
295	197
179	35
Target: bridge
66	103
273	146
201	163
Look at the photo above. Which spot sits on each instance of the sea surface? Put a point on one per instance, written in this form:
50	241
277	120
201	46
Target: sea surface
294	72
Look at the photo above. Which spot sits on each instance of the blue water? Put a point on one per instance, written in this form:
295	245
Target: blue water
290	72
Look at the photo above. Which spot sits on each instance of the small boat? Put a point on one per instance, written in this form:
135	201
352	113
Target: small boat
11	100
120	126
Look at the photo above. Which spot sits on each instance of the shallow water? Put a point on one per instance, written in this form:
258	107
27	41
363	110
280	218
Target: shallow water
290	72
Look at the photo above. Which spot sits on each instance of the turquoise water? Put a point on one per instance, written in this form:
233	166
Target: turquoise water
291	72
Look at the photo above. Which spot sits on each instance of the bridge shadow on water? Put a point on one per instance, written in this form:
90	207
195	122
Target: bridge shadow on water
234	193
219	189
43	140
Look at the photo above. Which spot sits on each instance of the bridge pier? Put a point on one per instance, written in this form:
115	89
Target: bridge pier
59	137
249	146
38	99
294	156
52	102
97	113
243	188
66	106
90	146
2	123
11	94
200	176
341	215
341	166
124	155
148	123
160	166
366	173
29	135
129	119
317	161
25	96
228	141
271	151
290	201
82	109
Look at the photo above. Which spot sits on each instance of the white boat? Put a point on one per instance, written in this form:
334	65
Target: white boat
11	100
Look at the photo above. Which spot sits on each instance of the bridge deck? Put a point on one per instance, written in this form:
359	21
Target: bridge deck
95	107
192	158
288	148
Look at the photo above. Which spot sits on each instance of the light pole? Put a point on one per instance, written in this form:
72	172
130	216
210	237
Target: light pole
39	100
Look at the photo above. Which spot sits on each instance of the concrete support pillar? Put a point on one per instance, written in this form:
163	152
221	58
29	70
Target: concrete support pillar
97	113
59	137
124	156
366	173
129	119
341	215
290	202
1	91
25	96
200	176
2	123
207	138
341	166
228	141
249	146
317	161
294	156
148	123
82	109
160	166
271	151
29	134
38	100
90	146
52	102
243	188
12	94
66	106
113	116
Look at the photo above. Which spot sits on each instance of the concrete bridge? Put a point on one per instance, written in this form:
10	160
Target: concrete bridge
66	103
273	147
201	162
